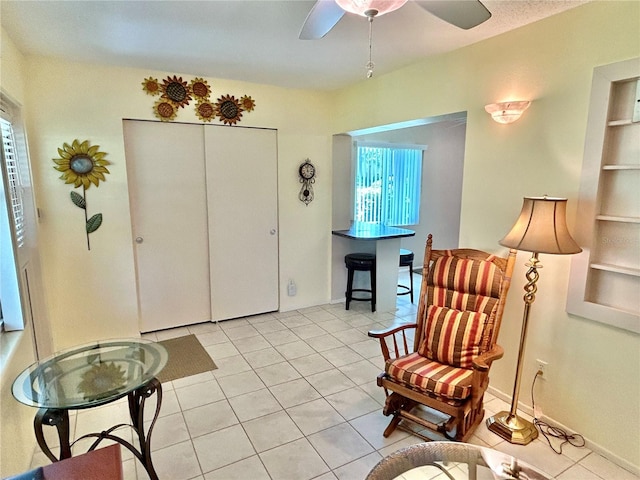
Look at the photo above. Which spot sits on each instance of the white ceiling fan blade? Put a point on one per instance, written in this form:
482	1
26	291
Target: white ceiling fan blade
465	14
321	19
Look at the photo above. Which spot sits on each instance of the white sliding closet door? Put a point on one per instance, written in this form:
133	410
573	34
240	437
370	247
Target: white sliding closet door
241	174
165	167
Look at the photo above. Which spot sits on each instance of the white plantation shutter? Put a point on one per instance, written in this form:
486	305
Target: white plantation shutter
13	180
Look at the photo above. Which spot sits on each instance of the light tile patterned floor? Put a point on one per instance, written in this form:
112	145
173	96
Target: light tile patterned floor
294	398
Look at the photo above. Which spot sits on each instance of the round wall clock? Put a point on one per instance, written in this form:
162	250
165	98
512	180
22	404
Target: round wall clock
307	172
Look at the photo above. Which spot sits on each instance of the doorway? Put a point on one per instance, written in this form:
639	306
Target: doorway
441	189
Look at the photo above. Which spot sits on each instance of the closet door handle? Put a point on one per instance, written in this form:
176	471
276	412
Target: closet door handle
273	231
139	239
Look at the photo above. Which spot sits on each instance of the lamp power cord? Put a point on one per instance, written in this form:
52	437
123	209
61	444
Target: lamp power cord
548	431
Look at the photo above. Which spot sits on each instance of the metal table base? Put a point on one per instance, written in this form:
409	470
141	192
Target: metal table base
59	418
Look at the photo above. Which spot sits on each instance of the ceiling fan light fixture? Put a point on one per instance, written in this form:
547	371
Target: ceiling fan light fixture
361	7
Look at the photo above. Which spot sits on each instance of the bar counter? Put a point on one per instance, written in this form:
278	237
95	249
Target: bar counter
387	249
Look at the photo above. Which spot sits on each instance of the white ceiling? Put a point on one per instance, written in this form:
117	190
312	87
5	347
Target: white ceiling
255	41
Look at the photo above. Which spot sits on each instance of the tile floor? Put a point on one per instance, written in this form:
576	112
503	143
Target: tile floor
294	398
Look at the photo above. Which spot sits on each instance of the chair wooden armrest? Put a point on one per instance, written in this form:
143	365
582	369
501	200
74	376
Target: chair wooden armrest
483	362
391	332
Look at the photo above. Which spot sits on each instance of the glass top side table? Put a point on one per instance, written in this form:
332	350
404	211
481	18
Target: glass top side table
91	375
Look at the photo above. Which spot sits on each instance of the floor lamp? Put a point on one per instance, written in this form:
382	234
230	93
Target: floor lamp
541	228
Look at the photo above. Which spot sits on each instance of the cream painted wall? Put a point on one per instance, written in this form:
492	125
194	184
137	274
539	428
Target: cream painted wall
93	293
593	379
17	441
11	69
16	348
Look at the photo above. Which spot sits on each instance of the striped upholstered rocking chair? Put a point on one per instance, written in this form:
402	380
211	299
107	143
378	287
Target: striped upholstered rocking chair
442	361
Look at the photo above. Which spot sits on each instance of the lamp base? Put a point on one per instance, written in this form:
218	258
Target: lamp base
512	428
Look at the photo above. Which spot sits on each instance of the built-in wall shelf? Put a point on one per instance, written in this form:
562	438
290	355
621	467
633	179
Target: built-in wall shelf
616	269
621	167
605	278
620	123
613	218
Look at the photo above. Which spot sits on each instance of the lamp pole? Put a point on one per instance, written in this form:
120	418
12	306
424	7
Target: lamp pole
529	297
507	424
540	228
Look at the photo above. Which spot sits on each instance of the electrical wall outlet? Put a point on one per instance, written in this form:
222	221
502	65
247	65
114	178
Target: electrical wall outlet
542	367
537	412
291	289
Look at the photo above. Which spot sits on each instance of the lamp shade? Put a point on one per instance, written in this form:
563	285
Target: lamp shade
542	228
360	7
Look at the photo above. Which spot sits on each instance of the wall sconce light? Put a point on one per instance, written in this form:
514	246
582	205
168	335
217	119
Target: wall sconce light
507	112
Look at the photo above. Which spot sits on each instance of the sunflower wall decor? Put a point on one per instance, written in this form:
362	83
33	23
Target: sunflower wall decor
200	88
176	93
228	109
176	90
151	86
82	165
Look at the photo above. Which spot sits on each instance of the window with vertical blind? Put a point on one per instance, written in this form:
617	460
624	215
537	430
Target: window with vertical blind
387	184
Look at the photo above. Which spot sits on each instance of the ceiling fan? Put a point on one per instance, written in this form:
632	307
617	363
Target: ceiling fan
325	14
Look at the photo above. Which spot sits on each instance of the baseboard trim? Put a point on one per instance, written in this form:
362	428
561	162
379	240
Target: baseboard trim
591	445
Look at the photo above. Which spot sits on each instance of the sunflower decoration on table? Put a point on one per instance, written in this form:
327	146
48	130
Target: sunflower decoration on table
200	89
248	103
151	86
82	165
176	90
101	380
228	109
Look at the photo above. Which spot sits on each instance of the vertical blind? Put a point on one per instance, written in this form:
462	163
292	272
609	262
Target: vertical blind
388	181
13	180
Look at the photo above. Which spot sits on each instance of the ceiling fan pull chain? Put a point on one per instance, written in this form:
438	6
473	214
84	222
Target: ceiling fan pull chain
370	63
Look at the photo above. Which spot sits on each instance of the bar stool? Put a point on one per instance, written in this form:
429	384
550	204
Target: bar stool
363	262
406	260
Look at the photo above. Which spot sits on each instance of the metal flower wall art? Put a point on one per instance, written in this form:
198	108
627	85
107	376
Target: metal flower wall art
175	93
82	165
